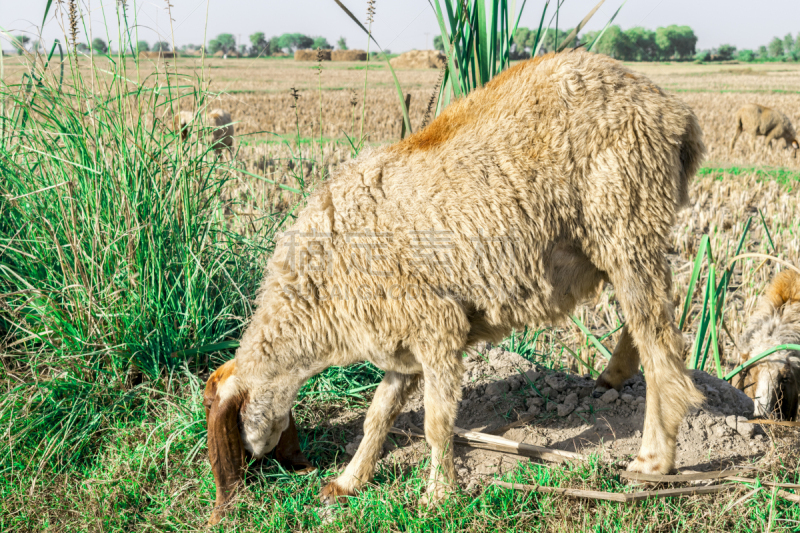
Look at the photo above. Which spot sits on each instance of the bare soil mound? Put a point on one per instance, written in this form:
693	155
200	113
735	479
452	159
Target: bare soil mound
419	59
567	416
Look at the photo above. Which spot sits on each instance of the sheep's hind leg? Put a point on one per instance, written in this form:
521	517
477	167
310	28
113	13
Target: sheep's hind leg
642	290
442	394
390	397
736	135
623	365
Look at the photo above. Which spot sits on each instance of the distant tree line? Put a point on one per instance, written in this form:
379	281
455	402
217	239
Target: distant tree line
260	46
634	44
786	49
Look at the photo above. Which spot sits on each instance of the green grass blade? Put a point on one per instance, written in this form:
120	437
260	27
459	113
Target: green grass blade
579	27
450	50
539	37
608	24
218	347
766	229
397	86
572	354
759	357
713	317
698	263
589	335
46	11
701	330
262	178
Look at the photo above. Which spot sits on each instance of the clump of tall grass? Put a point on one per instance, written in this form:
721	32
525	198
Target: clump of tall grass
114	253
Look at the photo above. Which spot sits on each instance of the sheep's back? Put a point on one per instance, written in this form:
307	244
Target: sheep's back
568	153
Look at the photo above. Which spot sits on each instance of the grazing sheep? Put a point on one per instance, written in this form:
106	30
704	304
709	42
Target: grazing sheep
218	119
774	382
759	120
180	123
506	211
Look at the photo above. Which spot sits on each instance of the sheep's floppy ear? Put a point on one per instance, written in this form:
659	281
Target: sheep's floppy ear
225	449
790	392
288	452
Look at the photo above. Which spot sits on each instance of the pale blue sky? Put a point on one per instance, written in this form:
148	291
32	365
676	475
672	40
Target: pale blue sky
403	24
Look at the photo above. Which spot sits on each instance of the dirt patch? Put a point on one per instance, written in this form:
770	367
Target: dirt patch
501	387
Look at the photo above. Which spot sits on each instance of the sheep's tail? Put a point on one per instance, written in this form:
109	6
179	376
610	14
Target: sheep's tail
692	153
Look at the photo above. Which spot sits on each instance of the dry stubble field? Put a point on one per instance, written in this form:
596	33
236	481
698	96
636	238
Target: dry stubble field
281	143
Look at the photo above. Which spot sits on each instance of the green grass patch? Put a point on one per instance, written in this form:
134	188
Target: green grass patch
784	176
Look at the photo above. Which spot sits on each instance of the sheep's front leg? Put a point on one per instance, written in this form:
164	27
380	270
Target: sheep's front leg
390	397
442	394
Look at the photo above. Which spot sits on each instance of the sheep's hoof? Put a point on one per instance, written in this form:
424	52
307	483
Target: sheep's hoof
649	464
434	495
333	493
602	386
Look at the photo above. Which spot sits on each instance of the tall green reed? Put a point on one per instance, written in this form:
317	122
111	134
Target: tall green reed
116	255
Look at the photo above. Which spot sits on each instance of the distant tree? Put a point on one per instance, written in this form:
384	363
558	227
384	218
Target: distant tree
614	43
99	46
552	39
642	44
341	44
703	55
747	56
294	41
321	42
519	44
20	42
37	46
161	46
82	47
260	45
763	53
438	43
676	42
143	46
274	45
725	52
788	44
243	50
225	43
776	47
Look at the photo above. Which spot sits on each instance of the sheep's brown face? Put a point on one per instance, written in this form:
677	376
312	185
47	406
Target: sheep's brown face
236	425
773	389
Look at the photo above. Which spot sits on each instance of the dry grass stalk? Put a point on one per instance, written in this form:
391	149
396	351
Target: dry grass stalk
618	497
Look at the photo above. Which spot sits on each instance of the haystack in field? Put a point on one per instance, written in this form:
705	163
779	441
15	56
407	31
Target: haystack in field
419	59
348	55
312	55
220	53
157	55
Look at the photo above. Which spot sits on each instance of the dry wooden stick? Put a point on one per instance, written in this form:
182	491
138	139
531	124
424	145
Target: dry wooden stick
485	441
765	483
788	496
618	497
697	476
519	448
